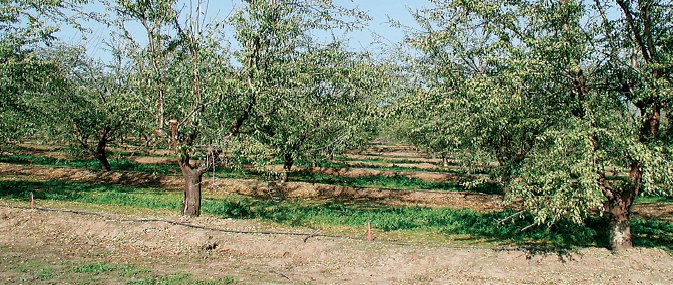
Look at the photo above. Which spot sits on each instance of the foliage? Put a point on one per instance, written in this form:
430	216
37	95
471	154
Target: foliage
210	93
26	81
25	26
312	96
96	106
55	90
324	110
553	96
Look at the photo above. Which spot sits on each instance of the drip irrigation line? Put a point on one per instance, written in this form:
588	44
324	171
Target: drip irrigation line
561	251
149	220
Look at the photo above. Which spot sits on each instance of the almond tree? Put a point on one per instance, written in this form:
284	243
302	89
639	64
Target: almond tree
187	73
570	107
94	106
638	72
325	109
56	89
208	94
25	27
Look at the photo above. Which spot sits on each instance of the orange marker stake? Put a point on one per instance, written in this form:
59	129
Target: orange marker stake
32	201
369	231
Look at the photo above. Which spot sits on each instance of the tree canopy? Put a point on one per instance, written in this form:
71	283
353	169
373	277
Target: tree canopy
569	107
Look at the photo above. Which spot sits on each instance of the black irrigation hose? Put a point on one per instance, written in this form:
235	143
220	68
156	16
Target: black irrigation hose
79	212
529	250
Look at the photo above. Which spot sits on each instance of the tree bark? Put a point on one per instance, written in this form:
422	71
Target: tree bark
192	176
619	204
619	214
191	204
287	167
620	226
100	150
101	156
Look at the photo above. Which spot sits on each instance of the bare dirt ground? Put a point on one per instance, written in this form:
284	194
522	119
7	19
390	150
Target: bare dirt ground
660	211
409	156
285	259
393	153
385	146
152	160
434	176
423	166
428	170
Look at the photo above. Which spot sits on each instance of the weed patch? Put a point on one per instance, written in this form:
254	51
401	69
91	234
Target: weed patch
180	279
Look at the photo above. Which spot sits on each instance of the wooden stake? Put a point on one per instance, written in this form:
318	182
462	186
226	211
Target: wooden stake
369	231
32	201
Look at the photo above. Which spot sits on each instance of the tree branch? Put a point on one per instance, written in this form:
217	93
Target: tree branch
634	28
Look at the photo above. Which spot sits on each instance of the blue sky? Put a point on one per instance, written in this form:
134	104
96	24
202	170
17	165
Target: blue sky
380	10
378	28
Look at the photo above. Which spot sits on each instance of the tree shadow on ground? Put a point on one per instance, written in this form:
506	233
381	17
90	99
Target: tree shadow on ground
562	237
59	190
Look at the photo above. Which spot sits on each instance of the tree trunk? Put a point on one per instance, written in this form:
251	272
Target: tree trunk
619	209
619	204
287	167
147	140
102	159
100	150
191	204
160	111
619	213
620	226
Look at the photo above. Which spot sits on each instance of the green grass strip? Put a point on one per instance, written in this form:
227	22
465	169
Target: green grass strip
450	222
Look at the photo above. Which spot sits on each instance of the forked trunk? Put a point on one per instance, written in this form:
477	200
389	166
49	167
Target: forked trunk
146	140
102	159
100	154
191	204
287	167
